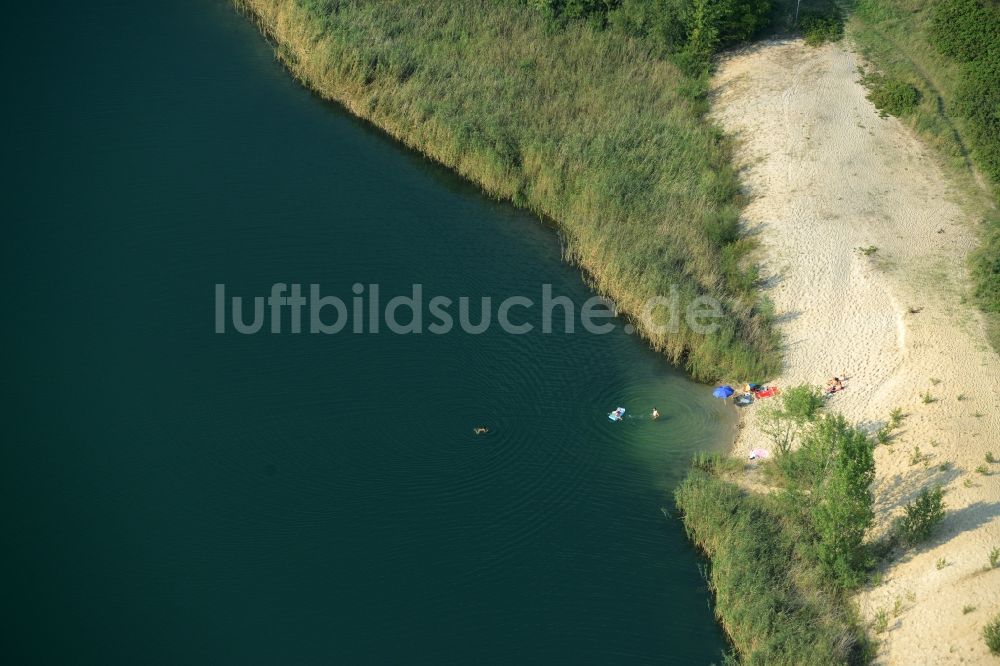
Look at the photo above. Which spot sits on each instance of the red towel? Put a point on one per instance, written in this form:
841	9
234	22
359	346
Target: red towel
766	392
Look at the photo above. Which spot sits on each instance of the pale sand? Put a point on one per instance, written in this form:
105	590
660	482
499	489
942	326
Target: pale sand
827	176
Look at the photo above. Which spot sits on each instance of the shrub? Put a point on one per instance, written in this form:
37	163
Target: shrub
994	557
818	28
922	515
799	406
891	96
802	403
881	621
991	634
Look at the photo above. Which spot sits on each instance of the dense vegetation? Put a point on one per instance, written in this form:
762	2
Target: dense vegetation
590	113
891	96
771	594
948	51
689	31
783	563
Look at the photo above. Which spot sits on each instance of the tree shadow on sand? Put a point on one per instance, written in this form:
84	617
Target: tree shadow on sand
956	522
900	489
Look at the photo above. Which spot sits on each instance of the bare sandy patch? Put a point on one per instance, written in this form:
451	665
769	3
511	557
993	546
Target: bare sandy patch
829	176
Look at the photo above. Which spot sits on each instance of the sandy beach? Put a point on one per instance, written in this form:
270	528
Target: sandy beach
829	176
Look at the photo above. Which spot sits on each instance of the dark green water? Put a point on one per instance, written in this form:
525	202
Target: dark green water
173	496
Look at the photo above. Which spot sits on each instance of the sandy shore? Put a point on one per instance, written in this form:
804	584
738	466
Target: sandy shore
829	176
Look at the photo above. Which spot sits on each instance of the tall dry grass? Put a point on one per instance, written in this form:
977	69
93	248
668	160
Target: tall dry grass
587	127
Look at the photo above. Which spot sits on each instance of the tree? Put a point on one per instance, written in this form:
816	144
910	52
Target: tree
841	497
784	425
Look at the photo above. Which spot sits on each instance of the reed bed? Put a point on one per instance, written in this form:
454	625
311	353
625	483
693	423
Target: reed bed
588	127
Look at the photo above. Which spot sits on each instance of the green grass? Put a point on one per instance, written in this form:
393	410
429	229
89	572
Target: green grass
771	596
590	127
991	634
942	50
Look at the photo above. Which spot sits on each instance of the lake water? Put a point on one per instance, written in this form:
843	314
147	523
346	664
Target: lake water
177	496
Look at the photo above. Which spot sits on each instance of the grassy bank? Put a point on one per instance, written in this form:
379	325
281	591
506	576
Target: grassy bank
948	53
770	596
784	562
588	124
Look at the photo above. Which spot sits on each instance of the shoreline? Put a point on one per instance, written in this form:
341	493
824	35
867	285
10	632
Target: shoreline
829	176
639	183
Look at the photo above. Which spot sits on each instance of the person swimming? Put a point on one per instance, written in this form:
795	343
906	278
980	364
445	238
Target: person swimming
480	430
655	414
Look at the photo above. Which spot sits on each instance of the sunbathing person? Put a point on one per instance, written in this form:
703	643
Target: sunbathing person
834	385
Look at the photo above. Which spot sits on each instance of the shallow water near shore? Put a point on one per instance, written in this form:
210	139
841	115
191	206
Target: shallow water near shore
178	496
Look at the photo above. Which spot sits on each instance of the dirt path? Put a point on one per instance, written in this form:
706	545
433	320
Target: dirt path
829	176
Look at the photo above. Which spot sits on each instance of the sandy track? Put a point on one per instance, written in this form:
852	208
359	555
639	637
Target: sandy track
829	176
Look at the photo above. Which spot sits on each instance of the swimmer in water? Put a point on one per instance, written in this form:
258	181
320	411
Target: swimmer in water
656	414
480	430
